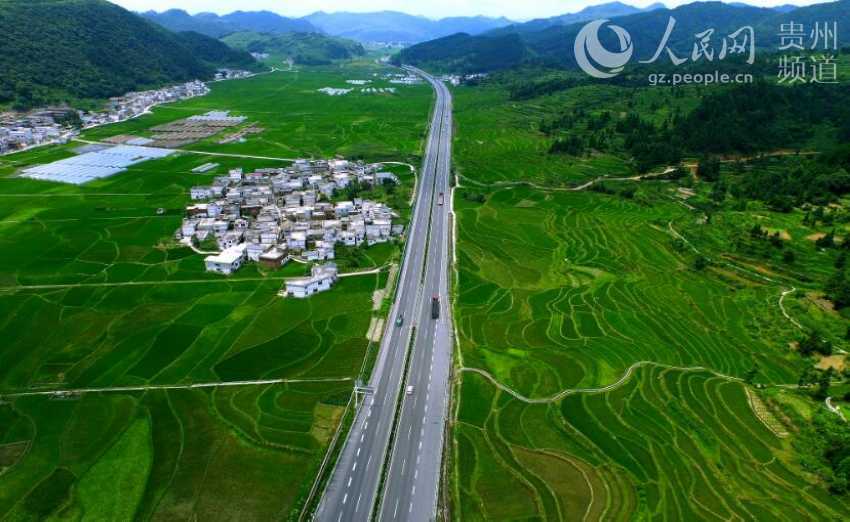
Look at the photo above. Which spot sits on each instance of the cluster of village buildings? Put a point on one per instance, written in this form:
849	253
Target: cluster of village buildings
53	125
274	215
133	104
18	132
232	74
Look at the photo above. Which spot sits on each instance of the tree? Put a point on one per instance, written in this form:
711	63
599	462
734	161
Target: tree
750	376
788	257
814	343
823	384
807	377
837	289
700	263
827	241
708	169
757	232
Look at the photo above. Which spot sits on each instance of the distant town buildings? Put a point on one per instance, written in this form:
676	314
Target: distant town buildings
456	80
58	125
404	79
232	74
331	91
19	132
273	215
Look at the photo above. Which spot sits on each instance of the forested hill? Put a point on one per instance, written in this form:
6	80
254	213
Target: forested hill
303	48
67	50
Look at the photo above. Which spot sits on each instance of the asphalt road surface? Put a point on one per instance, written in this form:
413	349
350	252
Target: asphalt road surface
413	475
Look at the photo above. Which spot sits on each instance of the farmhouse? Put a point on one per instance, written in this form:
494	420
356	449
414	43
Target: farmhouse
321	278
228	261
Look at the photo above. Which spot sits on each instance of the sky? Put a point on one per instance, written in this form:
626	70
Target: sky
430	8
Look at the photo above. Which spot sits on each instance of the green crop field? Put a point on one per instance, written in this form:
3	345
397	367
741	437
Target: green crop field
299	121
602	374
561	290
667	445
503	144
95	293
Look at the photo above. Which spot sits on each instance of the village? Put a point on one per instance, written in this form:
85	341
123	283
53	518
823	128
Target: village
54	125
60	124
298	213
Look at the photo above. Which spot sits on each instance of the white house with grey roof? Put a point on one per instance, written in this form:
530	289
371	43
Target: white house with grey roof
321	279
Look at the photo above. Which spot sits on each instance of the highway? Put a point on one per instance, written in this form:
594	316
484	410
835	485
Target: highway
413	475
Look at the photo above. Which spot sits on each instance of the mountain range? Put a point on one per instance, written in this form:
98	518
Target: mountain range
594	12
552	42
91	49
382	26
393	26
217	26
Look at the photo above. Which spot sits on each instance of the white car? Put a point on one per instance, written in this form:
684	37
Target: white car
410	390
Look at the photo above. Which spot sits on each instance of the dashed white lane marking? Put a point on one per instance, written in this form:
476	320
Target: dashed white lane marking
345	498
420	444
411	508
358	451
363	436
357	507
395	511
340	517
369	461
354	467
403	463
349	482
409	431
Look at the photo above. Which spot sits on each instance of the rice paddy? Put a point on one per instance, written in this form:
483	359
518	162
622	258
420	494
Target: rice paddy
95	293
601	373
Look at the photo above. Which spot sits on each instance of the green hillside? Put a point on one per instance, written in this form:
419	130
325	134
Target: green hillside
303	48
91	49
553	44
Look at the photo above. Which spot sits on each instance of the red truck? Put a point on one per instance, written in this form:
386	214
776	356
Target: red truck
435	307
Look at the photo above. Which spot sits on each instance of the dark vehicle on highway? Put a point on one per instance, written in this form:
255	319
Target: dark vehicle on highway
399	320
435	307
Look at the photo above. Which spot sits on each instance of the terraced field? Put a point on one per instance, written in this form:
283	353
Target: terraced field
94	292
666	445
564	290
602	374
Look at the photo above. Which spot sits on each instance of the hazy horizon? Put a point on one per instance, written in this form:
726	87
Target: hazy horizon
433	9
